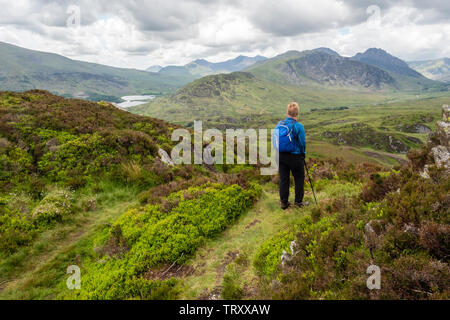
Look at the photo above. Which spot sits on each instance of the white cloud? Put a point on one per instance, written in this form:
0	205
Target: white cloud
141	33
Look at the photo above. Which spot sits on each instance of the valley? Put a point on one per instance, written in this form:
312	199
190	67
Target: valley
83	182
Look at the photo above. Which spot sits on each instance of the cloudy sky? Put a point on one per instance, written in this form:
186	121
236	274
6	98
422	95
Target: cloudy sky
142	33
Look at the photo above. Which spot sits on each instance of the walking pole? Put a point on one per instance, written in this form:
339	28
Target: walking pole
310	182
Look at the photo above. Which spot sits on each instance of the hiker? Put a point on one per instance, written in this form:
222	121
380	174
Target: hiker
289	140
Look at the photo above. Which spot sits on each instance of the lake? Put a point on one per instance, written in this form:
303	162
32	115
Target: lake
131	101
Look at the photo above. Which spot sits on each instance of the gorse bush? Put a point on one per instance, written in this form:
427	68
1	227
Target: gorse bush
157	238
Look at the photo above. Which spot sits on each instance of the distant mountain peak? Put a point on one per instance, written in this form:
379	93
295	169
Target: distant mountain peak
201	67
382	59
155	68
326	50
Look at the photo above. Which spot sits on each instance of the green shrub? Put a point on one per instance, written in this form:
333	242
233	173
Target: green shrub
15	230
55	206
268	257
156	238
231	284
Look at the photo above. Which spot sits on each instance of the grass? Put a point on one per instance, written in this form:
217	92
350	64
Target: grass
77	78
39	271
241	241
246	102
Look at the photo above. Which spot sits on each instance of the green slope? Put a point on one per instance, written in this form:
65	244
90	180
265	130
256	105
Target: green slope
22	69
241	99
438	69
325	68
80	184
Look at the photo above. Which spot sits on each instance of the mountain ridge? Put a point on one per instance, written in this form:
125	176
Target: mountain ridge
201	67
374	69
381	59
23	69
435	69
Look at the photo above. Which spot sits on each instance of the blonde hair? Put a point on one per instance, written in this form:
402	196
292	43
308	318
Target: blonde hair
293	109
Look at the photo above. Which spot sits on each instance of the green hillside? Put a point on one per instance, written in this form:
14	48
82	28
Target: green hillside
22	69
83	180
242	99
321	67
355	125
438	69
81	184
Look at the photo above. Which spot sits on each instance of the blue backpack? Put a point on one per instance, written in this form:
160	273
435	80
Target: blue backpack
282	139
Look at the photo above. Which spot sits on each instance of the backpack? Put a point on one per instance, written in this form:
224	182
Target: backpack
282	139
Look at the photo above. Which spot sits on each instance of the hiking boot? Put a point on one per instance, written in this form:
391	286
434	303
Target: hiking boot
301	204
286	205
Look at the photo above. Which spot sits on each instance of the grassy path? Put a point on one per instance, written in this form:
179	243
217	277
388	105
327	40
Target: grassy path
36	272
262	222
39	271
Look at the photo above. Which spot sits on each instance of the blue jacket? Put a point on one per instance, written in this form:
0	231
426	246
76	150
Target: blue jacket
298	134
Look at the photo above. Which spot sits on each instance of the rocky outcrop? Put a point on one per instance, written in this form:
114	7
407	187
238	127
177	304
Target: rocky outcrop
165	158
415	128
397	146
286	257
443	127
439	143
445	113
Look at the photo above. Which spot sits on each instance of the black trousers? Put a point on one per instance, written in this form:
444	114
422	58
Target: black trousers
294	163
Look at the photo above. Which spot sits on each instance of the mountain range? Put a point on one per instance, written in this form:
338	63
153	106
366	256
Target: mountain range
374	69
318	78
201	67
22	69
438	69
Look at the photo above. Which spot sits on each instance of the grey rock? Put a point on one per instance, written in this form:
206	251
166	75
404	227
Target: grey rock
410	228
415	128
285	257
443	132
165	158
441	156
397	146
414	140
293	247
425	173
446	113
368	228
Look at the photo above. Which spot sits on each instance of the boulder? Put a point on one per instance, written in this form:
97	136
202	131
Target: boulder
445	113
285	257
397	146
425	173
165	158
415	128
441	156
443	133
